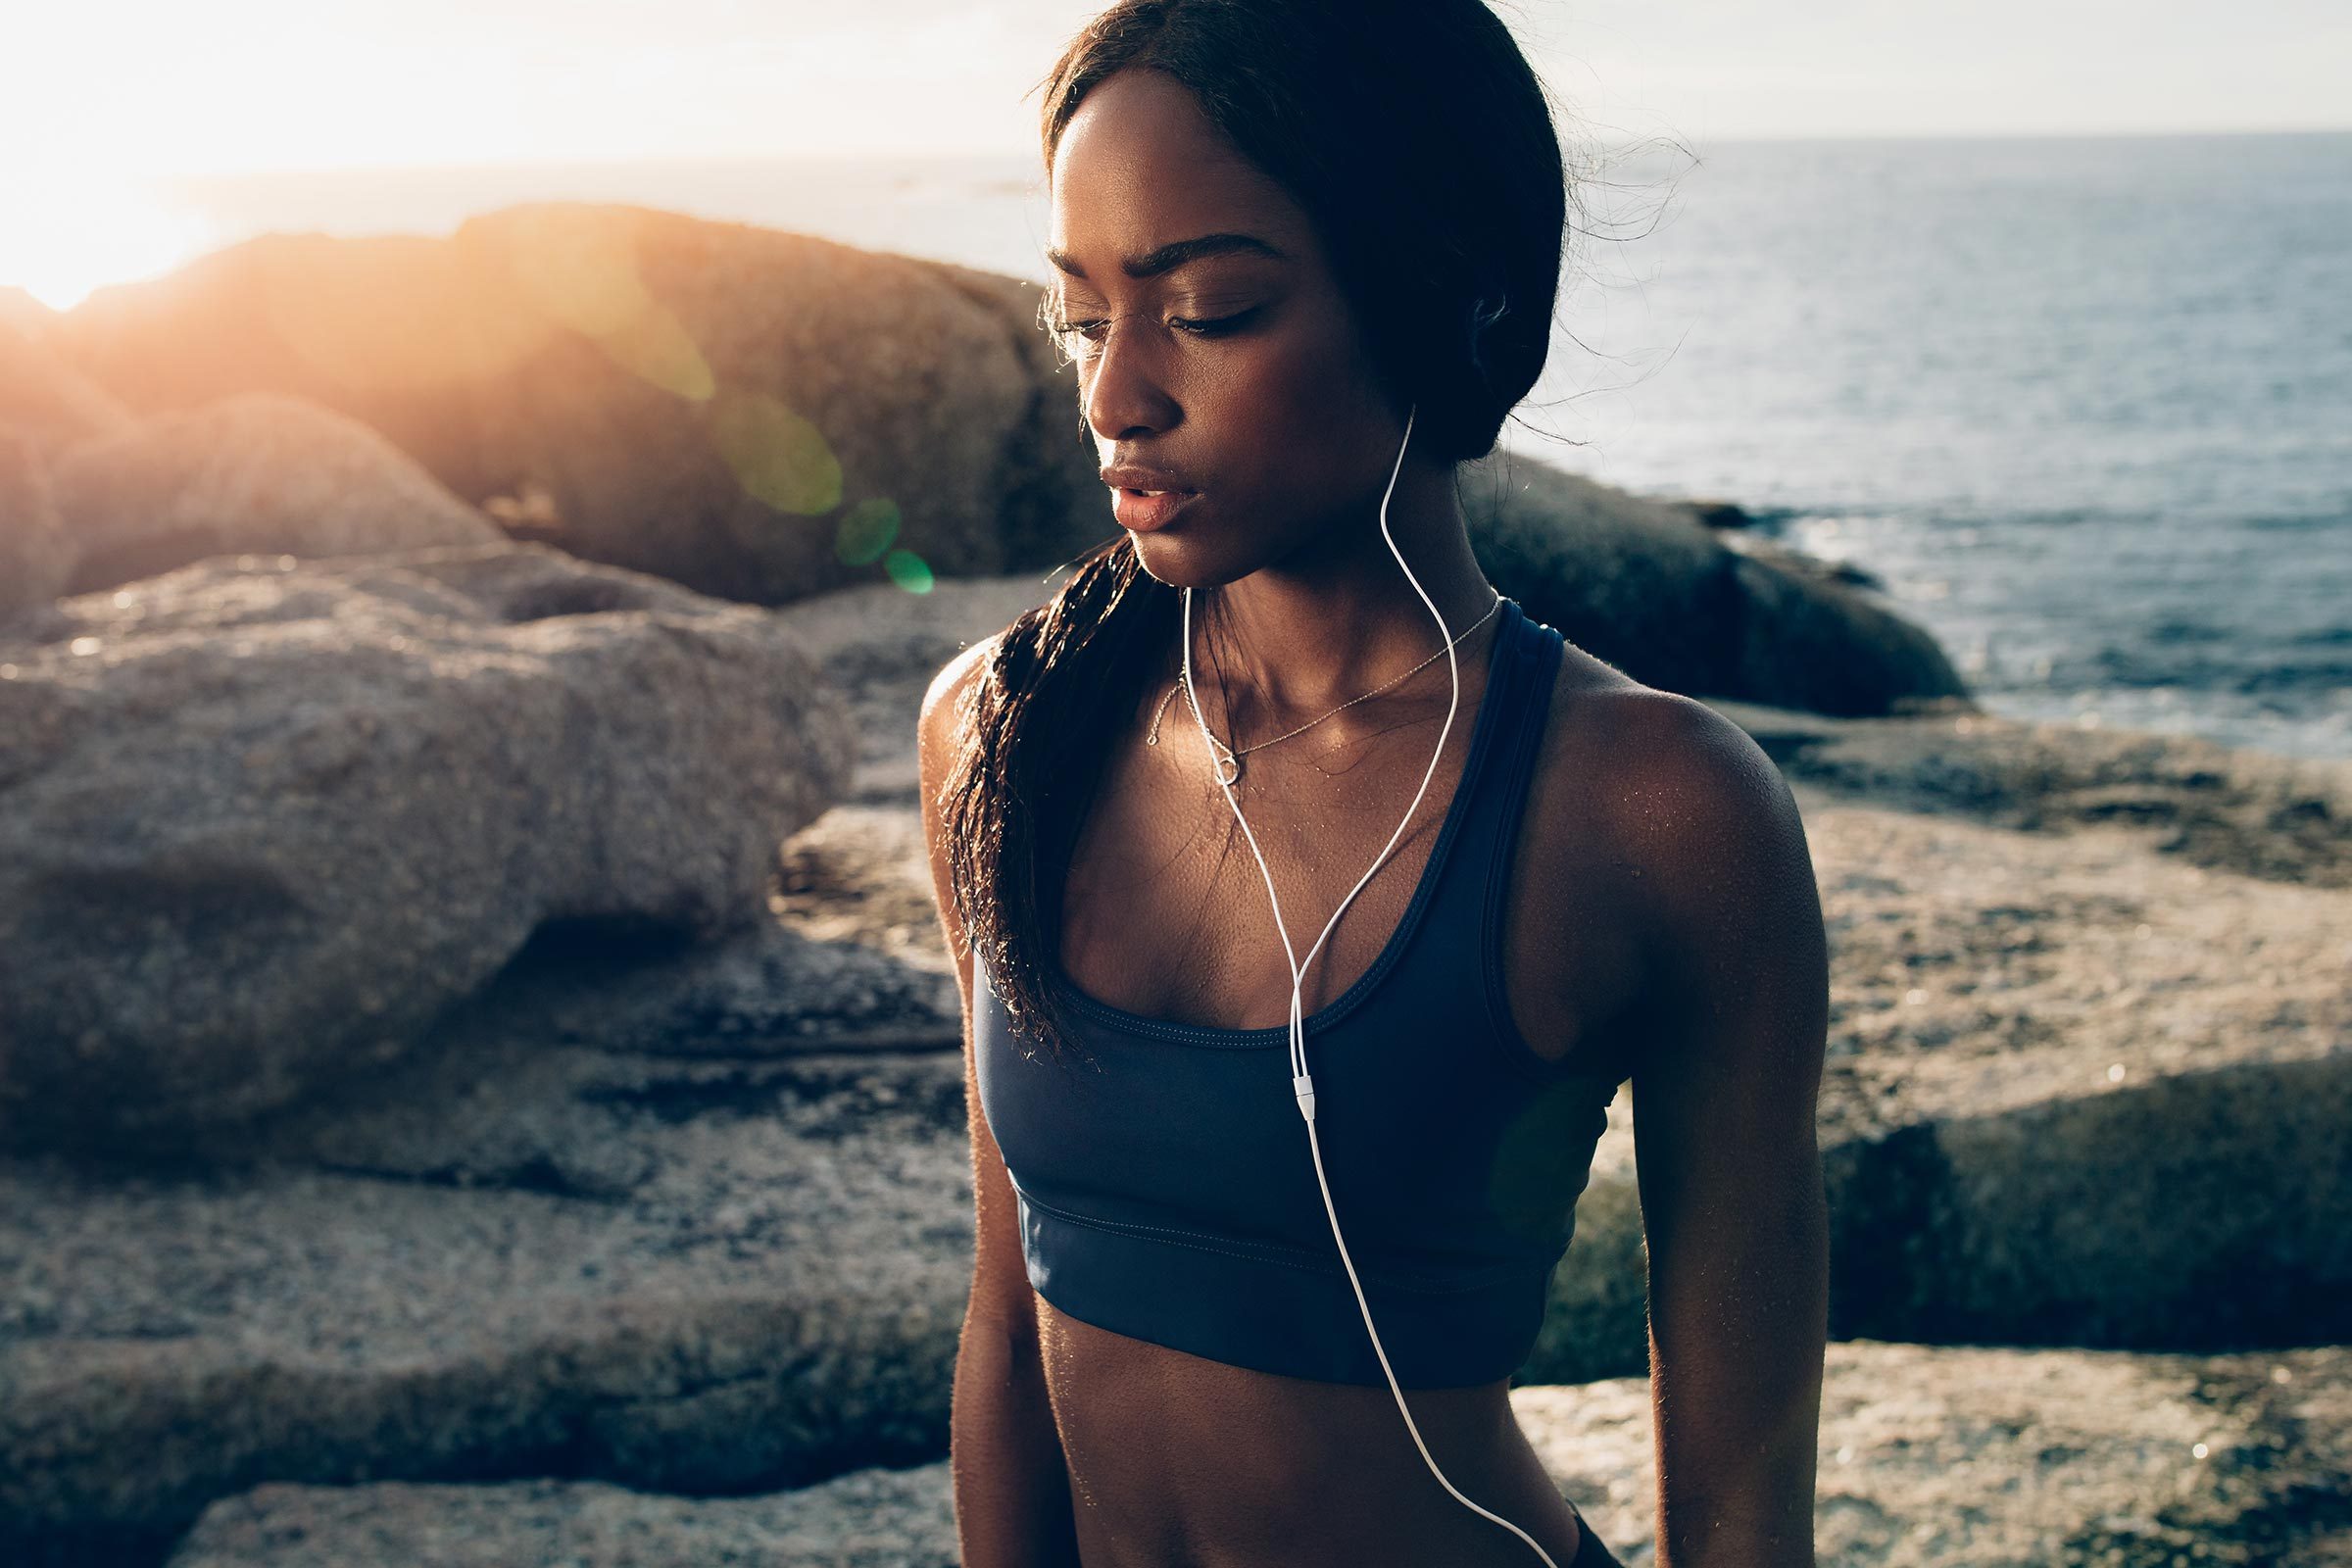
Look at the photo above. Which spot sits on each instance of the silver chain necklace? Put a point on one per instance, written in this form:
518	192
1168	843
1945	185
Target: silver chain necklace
1229	760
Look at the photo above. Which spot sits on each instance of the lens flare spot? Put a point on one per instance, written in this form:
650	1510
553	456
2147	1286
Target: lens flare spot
655	348
777	456
580	269
909	570
866	530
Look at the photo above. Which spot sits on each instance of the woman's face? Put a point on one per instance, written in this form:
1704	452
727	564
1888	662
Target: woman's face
1233	367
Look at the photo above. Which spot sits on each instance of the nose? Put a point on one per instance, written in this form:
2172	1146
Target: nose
1120	389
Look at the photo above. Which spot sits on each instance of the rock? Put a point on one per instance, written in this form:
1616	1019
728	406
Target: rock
1962	1456
766	990
517	1085
1051	504
257	475
861	874
263	819
1928	1456
1804	641
2286	819
501	1256
880	646
2104	1086
875	1518
36	556
755	413
1798	564
1720	515
1643	586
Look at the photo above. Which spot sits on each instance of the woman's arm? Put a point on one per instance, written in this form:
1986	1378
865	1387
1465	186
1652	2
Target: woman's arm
1724	1094
1012	1481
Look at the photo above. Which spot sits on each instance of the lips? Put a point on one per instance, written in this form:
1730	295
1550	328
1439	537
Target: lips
1145	498
1146	511
1145	476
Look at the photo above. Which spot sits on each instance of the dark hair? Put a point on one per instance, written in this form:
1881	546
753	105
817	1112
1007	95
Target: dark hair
1422	148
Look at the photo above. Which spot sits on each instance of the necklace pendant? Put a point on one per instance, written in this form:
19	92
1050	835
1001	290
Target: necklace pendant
1229	764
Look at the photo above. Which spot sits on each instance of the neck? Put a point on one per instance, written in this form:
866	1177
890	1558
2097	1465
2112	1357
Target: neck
1320	626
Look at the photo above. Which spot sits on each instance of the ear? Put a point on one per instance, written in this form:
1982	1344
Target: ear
1485	312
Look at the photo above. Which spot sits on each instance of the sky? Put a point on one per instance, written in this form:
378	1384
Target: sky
99	98
101	89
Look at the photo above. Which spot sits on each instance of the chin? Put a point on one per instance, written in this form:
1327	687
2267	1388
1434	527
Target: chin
1199	552
1180	562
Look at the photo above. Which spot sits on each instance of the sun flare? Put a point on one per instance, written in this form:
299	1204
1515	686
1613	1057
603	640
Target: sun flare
66	232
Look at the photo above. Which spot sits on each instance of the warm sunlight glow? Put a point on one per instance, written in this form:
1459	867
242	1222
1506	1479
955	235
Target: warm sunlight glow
65	233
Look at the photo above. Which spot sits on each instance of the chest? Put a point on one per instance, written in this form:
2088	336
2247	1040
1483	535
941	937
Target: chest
1167	913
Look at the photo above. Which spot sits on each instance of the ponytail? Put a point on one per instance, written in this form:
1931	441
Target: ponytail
1032	741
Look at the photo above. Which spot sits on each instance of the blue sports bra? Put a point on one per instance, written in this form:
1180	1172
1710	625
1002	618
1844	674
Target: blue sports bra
1166	1190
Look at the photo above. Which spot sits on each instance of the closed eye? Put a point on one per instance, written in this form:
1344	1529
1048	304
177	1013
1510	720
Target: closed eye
1090	329
1213	325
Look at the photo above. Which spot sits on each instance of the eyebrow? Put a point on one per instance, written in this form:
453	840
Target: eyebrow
1168	257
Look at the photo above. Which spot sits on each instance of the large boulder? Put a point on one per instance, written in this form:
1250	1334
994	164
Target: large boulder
755	413
255	473
687	1221
262	819
1646	586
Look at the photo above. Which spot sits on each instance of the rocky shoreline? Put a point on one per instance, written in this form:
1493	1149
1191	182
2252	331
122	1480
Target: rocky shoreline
632	1222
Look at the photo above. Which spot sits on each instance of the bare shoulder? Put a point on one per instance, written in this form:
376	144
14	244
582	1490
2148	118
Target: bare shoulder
1682	792
935	728
1657	785
1668	839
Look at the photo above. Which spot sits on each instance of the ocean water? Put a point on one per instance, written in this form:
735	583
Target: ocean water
2083	405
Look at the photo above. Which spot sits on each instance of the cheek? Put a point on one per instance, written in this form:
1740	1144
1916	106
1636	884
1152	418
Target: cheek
1298	409
1308	369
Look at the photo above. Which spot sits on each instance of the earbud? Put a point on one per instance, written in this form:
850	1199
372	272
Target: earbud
1302	1083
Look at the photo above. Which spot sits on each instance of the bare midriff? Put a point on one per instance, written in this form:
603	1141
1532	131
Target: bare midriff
1178	1461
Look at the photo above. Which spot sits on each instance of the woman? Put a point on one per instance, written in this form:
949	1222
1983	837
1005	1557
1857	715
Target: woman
1229	1310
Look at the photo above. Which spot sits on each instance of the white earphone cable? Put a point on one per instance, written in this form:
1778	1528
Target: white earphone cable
1303	1084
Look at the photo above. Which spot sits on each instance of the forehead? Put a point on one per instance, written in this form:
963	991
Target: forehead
1139	167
